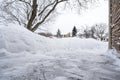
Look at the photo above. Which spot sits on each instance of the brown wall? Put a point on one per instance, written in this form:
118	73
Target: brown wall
114	15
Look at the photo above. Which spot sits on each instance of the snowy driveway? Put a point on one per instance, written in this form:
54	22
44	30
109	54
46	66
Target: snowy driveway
69	65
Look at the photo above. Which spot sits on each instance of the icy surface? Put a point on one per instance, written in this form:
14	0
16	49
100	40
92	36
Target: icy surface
28	56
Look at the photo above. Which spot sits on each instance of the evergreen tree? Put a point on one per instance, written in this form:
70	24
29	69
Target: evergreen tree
59	33
74	32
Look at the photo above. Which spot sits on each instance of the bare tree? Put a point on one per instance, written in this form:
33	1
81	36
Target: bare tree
32	13
86	32
99	31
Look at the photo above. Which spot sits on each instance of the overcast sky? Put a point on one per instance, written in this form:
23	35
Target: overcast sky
68	19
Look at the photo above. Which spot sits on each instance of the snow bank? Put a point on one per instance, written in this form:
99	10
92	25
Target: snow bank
16	39
81	44
115	56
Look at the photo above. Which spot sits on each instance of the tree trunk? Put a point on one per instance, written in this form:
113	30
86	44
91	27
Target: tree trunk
33	15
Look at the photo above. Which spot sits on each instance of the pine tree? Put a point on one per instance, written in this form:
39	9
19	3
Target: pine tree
74	32
59	33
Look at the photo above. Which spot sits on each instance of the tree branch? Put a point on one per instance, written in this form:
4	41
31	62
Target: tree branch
39	23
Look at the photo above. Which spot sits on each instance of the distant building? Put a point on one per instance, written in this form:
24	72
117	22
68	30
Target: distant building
67	35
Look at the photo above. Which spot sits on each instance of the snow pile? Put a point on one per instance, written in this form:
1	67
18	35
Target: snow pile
15	38
81	44
40	58
114	55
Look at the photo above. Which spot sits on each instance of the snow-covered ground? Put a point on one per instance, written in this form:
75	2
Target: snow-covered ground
28	56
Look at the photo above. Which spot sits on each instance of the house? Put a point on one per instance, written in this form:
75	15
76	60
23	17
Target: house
67	35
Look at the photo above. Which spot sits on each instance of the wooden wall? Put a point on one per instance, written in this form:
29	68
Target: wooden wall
114	16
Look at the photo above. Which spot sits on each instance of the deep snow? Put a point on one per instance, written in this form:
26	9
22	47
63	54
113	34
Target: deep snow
27	56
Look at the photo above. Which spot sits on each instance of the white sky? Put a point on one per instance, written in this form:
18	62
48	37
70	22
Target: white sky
67	20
